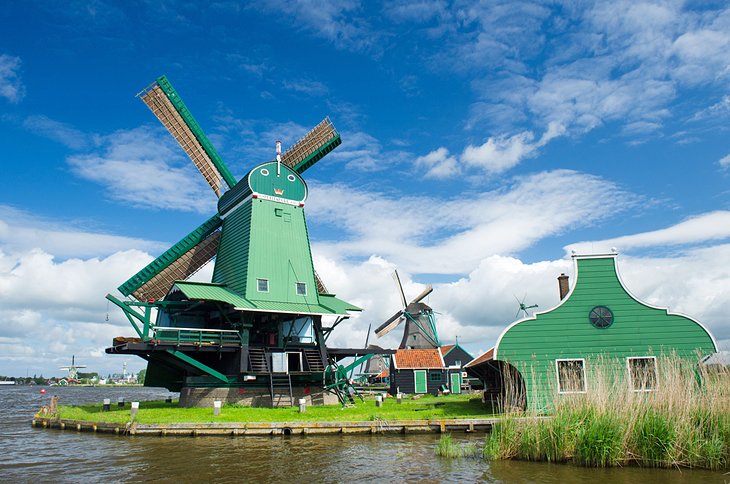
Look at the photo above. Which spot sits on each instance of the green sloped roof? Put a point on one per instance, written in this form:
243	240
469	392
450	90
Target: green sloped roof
337	305
218	292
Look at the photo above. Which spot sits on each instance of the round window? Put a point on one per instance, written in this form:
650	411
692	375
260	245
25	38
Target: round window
601	317
264	172
291	178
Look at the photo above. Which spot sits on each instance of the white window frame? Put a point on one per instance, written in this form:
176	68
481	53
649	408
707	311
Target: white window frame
631	379
296	288
258	287
557	375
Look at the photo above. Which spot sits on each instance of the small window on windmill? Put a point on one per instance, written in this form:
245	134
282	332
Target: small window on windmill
301	288
262	285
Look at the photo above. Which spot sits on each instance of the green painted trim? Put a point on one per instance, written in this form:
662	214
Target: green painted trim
130	313
200	366
319	154
170	255
184	112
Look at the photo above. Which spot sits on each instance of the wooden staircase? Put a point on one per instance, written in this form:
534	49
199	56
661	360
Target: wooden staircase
313	359
280	386
257	360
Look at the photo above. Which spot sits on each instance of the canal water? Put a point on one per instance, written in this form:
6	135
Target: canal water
34	455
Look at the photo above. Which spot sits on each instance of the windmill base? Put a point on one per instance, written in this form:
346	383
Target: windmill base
253	397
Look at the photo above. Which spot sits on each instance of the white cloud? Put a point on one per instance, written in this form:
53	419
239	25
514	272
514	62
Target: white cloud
438	164
713	226
11	87
21	231
424	234
306	86
719	109
336	22
725	162
145	168
57	131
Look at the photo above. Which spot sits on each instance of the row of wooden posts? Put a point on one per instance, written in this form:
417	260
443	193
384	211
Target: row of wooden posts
106	405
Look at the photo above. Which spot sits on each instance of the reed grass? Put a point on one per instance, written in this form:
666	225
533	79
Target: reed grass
683	422
448	448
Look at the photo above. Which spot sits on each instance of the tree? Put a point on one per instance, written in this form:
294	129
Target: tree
140	376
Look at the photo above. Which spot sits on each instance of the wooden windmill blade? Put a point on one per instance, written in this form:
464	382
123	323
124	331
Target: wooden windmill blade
389	324
169	108
322	139
179	262
426	292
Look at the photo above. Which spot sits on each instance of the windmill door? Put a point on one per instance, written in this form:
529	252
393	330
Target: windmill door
420	381
456	382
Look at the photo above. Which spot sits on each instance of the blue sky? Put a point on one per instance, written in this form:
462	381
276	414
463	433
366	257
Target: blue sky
482	142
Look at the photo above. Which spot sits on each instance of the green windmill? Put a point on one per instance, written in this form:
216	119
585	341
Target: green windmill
256	333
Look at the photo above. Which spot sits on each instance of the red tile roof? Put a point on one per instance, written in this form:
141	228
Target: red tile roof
445	349
418	358
489	355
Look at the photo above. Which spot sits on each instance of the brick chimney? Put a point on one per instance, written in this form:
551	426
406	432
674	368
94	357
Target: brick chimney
563	285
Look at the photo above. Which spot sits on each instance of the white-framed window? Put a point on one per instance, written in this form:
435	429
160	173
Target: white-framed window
262	285
642	373
301	288
571	375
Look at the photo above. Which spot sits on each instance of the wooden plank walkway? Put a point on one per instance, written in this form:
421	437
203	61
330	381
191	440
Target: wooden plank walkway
271	428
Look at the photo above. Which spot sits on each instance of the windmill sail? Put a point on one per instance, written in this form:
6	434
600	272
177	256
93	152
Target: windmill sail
177	263
168	107
312	147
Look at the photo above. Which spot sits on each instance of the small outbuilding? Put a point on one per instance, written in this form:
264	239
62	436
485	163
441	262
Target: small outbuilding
422	370
598	321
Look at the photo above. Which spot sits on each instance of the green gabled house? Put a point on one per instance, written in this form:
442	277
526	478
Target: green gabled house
598	322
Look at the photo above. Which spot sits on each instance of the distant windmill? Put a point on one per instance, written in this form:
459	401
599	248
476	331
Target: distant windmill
73	373
523	307
420	330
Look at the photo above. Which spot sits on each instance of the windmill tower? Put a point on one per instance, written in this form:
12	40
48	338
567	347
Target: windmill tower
420	323
258	324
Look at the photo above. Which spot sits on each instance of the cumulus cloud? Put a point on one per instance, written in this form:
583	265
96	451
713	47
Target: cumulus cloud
11	86
145	168
425	234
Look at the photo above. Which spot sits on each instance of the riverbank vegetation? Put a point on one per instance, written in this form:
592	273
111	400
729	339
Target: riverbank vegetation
680	419
159	412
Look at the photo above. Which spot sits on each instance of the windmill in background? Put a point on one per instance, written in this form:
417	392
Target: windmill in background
523	308
420	329
73	371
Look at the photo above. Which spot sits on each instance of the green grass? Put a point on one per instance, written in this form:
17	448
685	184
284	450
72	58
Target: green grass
448	448
159	412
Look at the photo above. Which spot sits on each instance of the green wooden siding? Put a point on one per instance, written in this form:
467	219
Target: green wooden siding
279	251
533	345
231	263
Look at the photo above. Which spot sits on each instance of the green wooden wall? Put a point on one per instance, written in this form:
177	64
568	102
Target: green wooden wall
264	239
533	345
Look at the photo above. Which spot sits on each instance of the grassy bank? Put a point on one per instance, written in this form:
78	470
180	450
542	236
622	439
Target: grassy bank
683	422
158	412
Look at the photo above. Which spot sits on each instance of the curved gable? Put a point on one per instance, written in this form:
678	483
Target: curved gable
636	328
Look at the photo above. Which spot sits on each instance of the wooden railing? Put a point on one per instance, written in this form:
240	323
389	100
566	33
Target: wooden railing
196	335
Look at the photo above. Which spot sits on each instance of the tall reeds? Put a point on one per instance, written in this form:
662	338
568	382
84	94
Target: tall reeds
682	421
